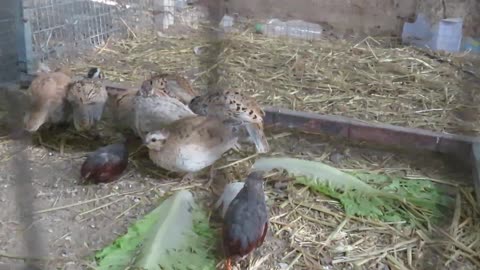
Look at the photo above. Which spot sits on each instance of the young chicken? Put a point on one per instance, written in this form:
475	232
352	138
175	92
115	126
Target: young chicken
48	103
88	97
173	85
233	105
245	223
153	111
105	164
190	144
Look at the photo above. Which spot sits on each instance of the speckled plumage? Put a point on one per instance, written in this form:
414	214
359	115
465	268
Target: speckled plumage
152	111
173	85
87	97
233	105
120	105
190	144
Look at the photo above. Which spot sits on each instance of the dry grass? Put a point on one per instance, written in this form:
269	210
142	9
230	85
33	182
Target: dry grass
401	86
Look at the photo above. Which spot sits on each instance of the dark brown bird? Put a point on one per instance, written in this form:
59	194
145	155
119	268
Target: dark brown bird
106	164
246	220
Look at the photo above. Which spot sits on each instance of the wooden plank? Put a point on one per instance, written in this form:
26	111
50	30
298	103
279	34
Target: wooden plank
360	131
476	169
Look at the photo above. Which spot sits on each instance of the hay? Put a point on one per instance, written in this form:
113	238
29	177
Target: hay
400	86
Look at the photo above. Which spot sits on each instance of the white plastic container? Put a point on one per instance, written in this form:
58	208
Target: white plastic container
227	22
294	29
168	11
447	35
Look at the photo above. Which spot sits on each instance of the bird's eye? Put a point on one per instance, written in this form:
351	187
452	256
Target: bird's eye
154	140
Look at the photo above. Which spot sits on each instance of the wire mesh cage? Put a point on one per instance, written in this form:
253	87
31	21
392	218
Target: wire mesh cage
316	57
59	26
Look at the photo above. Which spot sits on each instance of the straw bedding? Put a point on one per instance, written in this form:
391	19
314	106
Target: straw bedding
365	80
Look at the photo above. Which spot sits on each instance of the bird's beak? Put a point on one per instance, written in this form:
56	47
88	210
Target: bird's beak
145	141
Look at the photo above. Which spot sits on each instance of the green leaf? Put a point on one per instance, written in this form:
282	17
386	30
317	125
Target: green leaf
315	171
175	235
369	195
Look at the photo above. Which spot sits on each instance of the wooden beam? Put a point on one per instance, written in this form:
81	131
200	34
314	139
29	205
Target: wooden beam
380	134
476	169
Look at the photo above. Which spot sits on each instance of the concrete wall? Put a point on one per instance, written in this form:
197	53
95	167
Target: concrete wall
374	17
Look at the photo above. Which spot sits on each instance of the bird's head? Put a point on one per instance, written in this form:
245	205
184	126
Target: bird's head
95	73
156	139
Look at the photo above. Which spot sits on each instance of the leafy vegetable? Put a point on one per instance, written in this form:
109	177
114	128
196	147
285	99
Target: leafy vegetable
393	199
175	235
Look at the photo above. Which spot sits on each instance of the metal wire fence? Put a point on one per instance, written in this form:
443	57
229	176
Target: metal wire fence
37	30
67	26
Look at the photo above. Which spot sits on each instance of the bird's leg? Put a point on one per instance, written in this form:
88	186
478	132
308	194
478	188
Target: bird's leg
188	177
228	264
211	175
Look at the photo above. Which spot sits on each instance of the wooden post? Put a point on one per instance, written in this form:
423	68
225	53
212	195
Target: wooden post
476	169
163	14
24	41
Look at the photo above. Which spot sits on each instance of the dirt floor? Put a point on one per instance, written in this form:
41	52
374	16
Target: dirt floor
308	230
75	220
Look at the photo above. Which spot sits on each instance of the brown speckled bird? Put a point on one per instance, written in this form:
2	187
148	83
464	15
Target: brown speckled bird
87	97
190	144
233	105
48	103
105	164
172	84
120	105
152	111
245	223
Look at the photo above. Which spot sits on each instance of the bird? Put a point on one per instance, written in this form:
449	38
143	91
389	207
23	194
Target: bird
120	105
245	223
190	144
106	164
173	85
47	99
230	191
235	106
153	110
87	97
